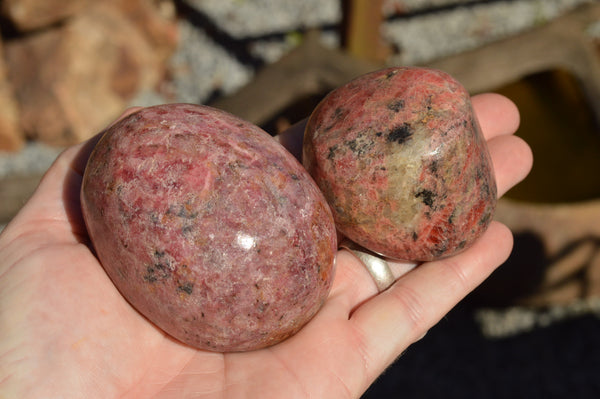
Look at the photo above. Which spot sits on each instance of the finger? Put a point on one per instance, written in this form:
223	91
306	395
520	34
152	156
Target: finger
388	323
56	199
512	160
497	114
75	158
353	283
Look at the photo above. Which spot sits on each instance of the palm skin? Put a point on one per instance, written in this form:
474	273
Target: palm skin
66	332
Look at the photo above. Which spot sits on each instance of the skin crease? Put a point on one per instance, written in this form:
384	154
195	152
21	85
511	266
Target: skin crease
65	331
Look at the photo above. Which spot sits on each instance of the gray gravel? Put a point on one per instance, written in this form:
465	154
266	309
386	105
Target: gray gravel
430	36
244	18
34	158
203	68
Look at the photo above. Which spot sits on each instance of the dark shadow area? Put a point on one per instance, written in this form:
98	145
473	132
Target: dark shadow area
72	191
301	108
559	124
7	29
73	182
454	360
523	272
520	275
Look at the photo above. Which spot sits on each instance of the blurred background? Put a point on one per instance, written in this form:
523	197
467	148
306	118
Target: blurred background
69	67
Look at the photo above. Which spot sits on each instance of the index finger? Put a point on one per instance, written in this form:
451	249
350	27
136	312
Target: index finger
497	115
394	319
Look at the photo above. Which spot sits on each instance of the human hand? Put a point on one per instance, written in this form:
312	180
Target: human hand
65	330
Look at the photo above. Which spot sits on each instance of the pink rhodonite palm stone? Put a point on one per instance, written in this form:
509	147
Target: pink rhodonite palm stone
400	157
209	227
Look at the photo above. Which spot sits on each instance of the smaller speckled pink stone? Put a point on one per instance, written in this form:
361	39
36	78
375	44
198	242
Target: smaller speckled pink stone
400	157
209	227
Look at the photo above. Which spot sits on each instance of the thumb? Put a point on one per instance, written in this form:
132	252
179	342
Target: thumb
54	206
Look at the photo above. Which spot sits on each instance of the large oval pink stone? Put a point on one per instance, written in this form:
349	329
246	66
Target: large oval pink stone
209	227
400	157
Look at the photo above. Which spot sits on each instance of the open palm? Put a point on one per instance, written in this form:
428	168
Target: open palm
65	331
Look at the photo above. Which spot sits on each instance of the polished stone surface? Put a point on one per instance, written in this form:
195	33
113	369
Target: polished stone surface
209	227
401	159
